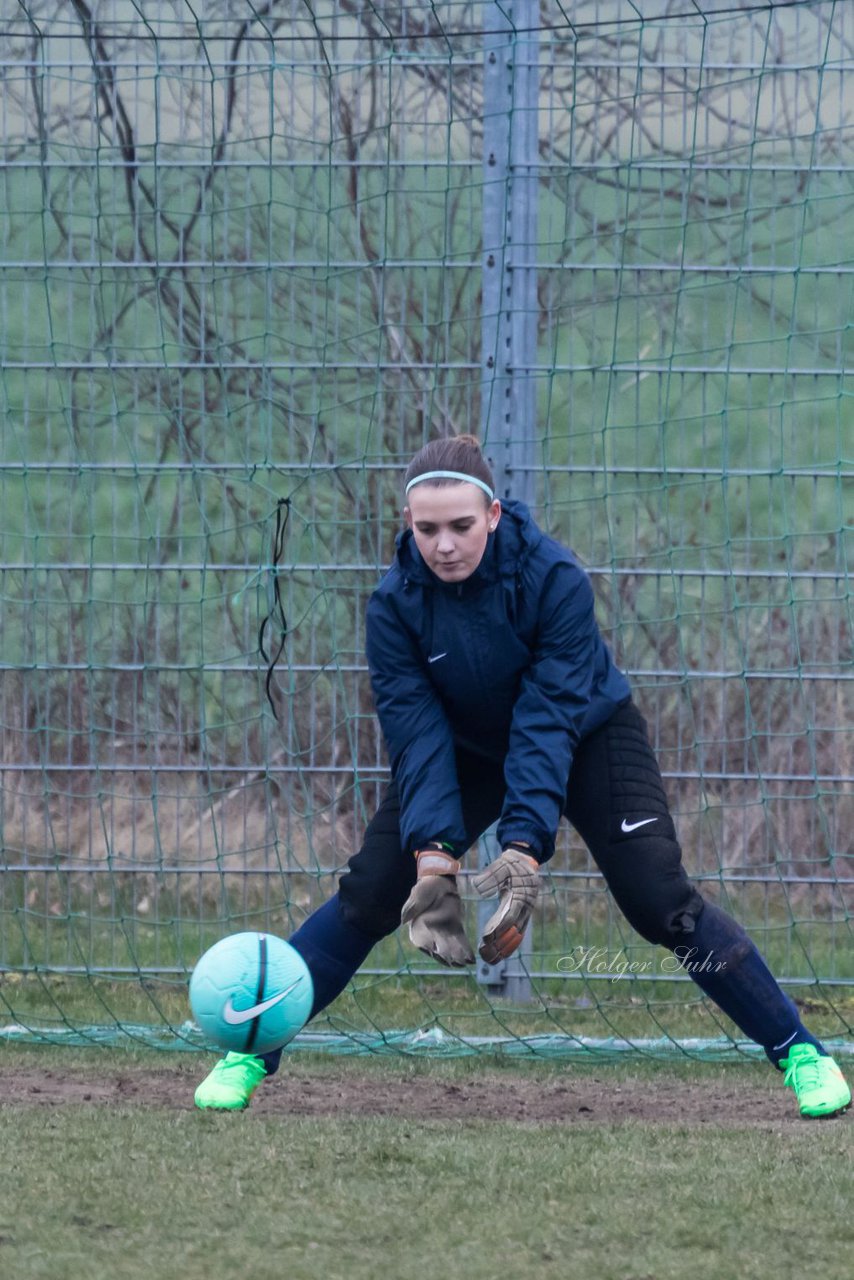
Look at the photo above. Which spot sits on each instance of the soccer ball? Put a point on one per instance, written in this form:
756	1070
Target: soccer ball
251	993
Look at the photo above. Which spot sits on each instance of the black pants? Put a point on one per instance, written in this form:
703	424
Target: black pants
616	802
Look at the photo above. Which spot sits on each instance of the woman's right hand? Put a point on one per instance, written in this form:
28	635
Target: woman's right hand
434	910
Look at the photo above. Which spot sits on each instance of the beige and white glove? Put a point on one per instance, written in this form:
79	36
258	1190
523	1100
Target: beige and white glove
434	910
515	877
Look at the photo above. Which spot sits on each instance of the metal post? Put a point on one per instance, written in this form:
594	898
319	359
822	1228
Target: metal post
510	308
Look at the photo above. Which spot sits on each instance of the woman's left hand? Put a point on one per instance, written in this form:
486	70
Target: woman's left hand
515	877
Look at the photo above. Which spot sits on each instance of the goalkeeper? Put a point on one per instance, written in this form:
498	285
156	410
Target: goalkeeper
499	701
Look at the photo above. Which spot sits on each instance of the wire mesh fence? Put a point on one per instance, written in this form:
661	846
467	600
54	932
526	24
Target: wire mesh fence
245	257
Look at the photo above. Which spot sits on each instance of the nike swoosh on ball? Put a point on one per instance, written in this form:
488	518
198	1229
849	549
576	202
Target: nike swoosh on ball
234	1017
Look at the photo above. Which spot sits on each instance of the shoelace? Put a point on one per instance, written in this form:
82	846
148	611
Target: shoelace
230	1063
804	1073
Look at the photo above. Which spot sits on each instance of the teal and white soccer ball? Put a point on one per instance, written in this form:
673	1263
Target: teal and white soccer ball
251	993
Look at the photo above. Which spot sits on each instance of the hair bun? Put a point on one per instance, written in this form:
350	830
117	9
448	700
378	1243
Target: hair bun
460	455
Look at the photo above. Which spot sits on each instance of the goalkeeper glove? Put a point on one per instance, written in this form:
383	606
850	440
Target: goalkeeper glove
434	910
515	877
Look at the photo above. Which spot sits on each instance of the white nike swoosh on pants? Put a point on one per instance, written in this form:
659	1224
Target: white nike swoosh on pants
633	826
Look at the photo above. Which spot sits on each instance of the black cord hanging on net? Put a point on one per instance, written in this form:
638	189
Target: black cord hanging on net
276	615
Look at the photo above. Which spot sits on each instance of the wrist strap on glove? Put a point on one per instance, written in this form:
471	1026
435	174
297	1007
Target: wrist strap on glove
520	846
432	860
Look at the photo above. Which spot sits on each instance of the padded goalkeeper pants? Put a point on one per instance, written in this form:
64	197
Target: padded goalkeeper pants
617	803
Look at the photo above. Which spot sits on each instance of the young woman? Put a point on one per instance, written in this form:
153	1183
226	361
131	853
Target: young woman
499	700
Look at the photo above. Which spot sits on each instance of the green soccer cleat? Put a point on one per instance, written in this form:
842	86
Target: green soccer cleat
818	1083
231	1084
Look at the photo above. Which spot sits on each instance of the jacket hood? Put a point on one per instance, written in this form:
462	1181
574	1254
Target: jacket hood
507	549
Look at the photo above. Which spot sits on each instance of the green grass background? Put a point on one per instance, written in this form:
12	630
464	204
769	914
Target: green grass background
135	1191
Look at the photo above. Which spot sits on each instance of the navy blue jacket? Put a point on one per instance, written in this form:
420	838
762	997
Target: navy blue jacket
508	664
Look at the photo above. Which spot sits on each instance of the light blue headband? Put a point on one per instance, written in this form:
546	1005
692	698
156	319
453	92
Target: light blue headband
452	475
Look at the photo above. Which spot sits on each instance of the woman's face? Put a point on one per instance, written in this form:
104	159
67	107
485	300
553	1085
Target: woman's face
451	524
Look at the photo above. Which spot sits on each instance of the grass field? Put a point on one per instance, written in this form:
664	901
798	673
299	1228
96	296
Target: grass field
399	1168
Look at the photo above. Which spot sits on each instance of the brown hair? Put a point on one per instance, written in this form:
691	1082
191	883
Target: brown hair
451	453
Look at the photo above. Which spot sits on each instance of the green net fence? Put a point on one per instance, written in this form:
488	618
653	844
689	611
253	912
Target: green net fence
247	266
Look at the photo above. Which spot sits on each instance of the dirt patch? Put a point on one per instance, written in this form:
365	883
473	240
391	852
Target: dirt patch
345	1091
